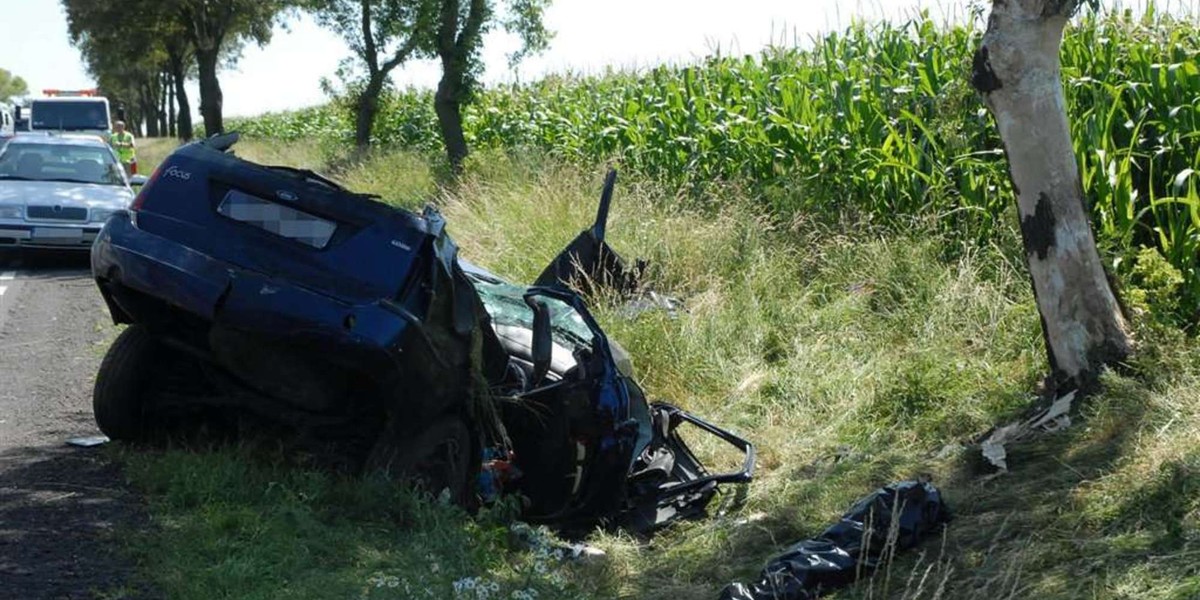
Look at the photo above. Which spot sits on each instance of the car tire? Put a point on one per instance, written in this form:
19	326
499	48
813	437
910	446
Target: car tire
442	457
124	382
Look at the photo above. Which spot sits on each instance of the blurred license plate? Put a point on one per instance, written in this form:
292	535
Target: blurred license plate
57	233
283	221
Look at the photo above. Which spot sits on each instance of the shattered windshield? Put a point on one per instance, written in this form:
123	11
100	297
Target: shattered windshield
505	303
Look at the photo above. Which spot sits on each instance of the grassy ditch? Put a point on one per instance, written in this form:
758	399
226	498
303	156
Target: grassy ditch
851	357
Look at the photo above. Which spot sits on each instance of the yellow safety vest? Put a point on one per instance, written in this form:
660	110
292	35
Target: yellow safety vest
123	144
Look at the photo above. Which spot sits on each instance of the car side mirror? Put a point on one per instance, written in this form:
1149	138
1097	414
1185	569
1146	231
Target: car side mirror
542	347
137	180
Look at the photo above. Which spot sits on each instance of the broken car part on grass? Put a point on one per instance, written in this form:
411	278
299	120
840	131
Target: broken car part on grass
588	261
589	264
892	518
275	293
1051	419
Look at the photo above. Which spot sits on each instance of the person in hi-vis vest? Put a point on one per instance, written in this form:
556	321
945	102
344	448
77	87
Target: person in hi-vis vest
122	142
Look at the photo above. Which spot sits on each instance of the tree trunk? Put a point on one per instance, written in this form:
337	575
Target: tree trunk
162	86
171	105
210	91
368	106
148	107
1018	72
179	78
448	105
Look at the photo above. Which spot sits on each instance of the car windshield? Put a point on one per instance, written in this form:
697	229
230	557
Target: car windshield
60	162
69	115
505	303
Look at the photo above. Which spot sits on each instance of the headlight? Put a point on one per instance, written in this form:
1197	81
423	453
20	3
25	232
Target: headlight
11	212
100	215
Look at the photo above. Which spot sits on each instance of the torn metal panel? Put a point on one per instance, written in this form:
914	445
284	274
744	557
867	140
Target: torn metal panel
588	262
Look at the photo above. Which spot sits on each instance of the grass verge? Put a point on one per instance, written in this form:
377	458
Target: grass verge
851	358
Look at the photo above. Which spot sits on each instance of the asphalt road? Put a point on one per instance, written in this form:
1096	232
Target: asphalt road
61	507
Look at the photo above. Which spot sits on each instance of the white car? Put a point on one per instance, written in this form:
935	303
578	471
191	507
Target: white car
57	191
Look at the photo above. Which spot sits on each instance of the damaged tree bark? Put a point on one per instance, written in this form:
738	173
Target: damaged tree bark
1018	72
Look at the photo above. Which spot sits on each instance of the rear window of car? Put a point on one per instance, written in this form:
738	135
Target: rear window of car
272	217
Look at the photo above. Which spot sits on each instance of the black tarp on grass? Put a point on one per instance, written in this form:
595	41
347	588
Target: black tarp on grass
897	517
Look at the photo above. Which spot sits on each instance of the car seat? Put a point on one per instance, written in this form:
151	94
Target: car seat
30	165
90	170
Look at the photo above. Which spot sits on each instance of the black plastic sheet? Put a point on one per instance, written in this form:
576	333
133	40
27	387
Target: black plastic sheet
852	546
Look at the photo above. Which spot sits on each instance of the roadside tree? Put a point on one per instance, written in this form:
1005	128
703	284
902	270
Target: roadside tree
1017	69
11	85
216	31
384	34
457	43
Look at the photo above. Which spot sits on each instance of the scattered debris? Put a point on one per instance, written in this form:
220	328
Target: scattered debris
1053	419
750	519
651	301
893	518
88	442
541	541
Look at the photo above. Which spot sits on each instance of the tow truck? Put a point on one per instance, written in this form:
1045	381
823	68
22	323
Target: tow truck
71	111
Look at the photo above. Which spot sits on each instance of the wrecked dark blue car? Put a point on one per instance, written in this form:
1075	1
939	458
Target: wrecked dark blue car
272	295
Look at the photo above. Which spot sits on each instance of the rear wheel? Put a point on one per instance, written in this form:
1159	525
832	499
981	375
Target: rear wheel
125	382
440	457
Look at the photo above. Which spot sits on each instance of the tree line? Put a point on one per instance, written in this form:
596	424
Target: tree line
142	52
11	86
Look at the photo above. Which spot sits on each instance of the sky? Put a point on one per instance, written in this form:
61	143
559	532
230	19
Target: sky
589	35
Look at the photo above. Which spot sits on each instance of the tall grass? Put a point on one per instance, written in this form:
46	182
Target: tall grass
876	121
851	359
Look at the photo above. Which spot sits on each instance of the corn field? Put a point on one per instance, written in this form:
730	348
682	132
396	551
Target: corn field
875	121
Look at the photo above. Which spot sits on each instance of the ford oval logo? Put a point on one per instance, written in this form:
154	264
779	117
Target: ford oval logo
286	195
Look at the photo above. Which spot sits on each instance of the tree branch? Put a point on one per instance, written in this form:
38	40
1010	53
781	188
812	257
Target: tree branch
449	26
469	36
369	50
402	54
